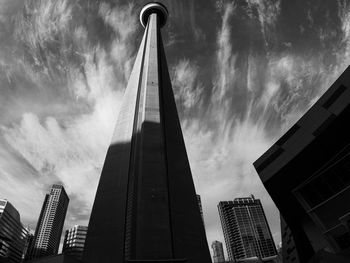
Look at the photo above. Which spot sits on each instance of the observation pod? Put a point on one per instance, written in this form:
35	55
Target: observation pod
145	209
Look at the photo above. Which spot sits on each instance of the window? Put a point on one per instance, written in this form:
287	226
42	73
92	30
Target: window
328	183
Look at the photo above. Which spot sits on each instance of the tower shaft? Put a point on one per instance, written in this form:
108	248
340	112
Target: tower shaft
148	216
145	207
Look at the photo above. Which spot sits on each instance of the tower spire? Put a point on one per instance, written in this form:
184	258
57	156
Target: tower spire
145	209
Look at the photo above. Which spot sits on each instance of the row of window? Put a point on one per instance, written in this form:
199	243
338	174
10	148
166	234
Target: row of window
334	179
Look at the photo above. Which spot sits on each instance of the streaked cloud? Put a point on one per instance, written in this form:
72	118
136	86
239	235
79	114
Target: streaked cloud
257	94
124	22
267	12
68	72
225	58
187	90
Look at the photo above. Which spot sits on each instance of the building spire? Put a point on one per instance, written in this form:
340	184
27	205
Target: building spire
145	209
158	8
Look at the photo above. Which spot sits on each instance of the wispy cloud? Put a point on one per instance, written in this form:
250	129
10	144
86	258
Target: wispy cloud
221	156
44	21
197	31
343	51
279	85
187	90
256	96
225	58
61	63
268	12
125	23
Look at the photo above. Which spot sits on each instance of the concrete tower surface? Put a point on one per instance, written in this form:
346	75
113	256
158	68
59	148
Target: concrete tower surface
145	209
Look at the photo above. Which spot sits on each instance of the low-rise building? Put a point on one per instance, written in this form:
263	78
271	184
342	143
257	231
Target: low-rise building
74	241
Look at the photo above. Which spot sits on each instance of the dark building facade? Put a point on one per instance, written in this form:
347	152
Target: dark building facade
60	258
246	231
146	207
307	174
49	228
289	251
74	241
28	250
13	236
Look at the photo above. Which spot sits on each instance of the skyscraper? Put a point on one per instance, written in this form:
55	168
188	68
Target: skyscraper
13	236
246	231
218	252
74	241
306	173
49	228
145	207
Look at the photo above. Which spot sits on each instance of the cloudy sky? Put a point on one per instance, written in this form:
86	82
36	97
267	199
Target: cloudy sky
242	71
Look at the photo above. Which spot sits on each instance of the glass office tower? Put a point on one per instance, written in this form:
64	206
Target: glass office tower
247	234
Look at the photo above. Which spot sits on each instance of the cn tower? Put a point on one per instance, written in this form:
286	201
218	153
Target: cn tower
145	209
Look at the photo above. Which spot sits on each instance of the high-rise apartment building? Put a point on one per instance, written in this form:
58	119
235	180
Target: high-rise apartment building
218	252
13	236
246	231
74	241
146	209
307	174
49	228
